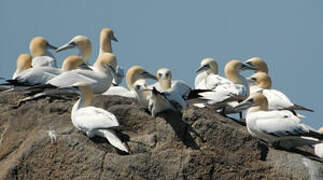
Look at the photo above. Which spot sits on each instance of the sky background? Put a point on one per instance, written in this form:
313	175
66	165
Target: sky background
178	34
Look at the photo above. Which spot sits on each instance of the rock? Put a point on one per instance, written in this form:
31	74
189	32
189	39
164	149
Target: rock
197	144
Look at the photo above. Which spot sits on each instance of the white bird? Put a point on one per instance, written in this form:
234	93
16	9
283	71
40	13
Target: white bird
92	120
261	83
318	148
258	63
142	92
208	75
39	48
99	79
23	62
176	92
134	73
279	128
83	44
41	75
227	94
165	83
158	102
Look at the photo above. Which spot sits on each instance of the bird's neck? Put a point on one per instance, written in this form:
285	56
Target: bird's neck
105	46
165	84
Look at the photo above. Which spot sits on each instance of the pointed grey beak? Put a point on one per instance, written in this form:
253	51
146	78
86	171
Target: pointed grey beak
247	66
69	45
51	46
202	68
113	38
147	75
244	105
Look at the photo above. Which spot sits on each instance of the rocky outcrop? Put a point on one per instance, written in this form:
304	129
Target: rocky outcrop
198	144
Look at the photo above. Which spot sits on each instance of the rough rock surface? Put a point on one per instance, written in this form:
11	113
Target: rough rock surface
198	144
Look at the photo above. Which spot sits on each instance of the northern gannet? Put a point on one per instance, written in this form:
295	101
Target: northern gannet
23	62
99	79
176	91
142	92
258	63
318	148
280	128
41	75
39	49
261	83
158	102
208	75
92	120
80	42
235	88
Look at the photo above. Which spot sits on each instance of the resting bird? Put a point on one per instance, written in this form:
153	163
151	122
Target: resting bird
23	63
261	83
229	92
259	64
280	128
39	48
208	75
92	120
41	75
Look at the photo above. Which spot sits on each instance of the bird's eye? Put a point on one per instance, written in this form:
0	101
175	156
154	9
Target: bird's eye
167	74
160	74
137	87
254	79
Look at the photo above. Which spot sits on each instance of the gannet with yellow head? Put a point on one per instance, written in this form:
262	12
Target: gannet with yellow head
39	49
135	73
208	75
99	79
106	36
176	91
92	120
258	63
142	92
41	75
280	128
261	83
24	62
235	88
80	42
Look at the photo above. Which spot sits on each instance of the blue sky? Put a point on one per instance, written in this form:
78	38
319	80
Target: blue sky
178	34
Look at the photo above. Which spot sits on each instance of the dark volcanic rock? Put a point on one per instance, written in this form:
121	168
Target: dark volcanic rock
198	144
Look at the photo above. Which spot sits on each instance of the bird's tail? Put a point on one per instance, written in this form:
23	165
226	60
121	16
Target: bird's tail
113	139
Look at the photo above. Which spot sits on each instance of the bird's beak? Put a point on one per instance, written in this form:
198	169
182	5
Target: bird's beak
69	45
51	46
243	105
147	75
247	66
202	68
113	38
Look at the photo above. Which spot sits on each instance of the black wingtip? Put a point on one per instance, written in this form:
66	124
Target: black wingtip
195	93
